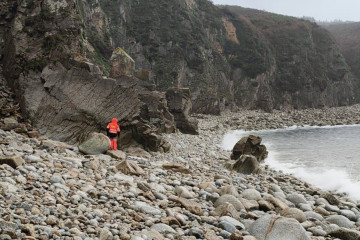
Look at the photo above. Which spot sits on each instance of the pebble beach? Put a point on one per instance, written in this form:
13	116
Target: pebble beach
52	191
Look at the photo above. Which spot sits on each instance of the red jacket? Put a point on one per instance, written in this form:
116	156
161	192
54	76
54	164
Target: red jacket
113	127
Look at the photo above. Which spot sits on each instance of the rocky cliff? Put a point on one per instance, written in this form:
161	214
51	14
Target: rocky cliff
347	35
58	57
64	94
228	56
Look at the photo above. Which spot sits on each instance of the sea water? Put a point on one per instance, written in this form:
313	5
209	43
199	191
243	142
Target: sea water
327	157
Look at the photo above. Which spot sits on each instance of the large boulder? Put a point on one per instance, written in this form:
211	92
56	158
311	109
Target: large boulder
96	143
121	64
250	145
179	104
278	228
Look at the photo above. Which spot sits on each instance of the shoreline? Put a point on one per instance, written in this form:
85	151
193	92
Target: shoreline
259	120
60	193
250	120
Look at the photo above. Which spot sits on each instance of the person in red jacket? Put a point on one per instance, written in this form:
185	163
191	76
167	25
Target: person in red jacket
113	132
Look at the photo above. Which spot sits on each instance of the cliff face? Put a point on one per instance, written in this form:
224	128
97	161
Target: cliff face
227	56
347	35
56	54
60	90
299	61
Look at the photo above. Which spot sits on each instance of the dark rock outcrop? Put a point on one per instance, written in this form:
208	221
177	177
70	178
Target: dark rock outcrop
62	91
179	104
246	164
249	145
248	153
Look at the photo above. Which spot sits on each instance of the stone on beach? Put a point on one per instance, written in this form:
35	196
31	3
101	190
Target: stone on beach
190	205
96	143
129	167
229	199
61	193
340	220
246	164
294	213
176	167
278	228
12	161
117	154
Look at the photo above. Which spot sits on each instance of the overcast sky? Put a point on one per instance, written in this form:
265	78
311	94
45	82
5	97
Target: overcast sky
323	10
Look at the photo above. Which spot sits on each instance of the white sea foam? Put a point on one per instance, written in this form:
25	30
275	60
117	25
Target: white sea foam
331	179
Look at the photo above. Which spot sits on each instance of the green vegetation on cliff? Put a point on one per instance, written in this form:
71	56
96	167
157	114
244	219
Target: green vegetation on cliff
225	55
347	35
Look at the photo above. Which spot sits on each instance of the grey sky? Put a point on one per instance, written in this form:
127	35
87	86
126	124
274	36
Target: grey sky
323	10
